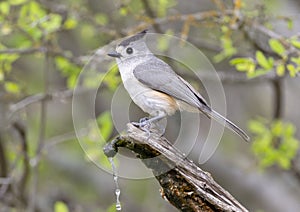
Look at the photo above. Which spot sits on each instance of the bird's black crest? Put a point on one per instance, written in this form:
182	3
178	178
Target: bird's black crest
133	38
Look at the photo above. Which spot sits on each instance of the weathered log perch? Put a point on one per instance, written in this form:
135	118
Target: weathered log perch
184	185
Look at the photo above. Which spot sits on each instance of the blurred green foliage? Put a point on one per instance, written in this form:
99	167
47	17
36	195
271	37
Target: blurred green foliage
68	70
261	64
228	49
96	138
60	207
273	143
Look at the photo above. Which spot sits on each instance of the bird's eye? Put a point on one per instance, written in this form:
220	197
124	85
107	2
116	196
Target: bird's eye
129	50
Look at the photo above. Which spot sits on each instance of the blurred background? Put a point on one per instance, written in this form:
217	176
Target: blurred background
44	46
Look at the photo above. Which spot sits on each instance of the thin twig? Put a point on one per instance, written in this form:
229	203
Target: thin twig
278	98
22	51
26	171
4	180
41	139
3	161
294	169
259	35
39	98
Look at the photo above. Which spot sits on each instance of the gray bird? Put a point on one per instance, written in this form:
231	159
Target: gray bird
156	88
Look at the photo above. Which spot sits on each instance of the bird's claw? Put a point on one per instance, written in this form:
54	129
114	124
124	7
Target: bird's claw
144	124
151	125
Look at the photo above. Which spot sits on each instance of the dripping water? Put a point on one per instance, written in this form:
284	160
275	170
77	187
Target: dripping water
117	190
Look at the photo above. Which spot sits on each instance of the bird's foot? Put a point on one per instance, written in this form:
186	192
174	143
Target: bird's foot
144	124
151	125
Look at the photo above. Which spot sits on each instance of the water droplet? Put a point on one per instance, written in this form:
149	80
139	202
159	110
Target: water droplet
117	191
118	207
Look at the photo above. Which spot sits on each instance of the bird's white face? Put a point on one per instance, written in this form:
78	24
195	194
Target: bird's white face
132	51
126	52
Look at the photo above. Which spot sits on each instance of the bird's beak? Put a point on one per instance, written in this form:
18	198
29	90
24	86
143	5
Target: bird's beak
114	54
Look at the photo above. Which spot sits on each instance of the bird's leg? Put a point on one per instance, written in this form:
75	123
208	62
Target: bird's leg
159	126
157	118
146	124
141	123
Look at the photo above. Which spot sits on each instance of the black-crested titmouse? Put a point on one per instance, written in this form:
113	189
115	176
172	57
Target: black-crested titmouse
156	88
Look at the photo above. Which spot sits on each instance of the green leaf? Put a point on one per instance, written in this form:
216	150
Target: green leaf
238	60
280	70
283	162
60	207
277	128
52	24
32	15
295	43
6	61
228	49
289	130
257	73
296	60
277	47
12	87
263	61
242	67
290	23
257	127
70	23
292	70
72	80
248	67
4	8
123	11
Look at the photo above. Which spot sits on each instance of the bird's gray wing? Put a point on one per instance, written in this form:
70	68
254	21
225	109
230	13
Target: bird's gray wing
159	76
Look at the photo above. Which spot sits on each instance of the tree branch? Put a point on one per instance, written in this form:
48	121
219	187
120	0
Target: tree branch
3	161
278	99
26	171
37	98
184	185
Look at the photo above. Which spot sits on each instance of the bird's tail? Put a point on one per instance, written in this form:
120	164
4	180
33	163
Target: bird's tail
222	120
